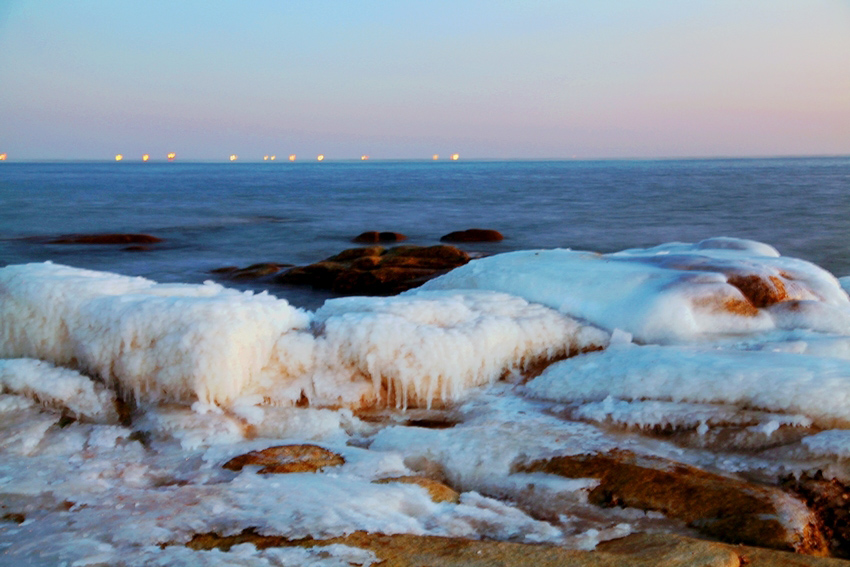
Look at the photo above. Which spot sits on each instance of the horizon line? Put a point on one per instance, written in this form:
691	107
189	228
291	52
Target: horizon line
327	159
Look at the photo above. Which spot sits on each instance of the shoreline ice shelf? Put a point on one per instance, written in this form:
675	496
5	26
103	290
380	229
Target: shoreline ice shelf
122	390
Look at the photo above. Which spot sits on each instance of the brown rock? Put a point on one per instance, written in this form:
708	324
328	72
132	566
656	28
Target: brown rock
105	239
419	262
830	501
320	274
255	271
380	281
287	459
473	235
638	550
224	270
355	253
729	304
438	491
375	271
366	263
450	256
725	508
375	236
761	292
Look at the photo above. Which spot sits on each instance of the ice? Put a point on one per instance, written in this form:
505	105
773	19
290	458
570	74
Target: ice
696	338
59	388
830	442
665	294
181	343
157	341
648	414
435	345
817	387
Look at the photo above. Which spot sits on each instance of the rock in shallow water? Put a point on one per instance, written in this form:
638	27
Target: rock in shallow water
473	235
377	271
105	239
375	236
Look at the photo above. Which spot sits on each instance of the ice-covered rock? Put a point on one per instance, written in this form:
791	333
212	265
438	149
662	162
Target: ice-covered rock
58	388
431	347
156	341
817	387
664	294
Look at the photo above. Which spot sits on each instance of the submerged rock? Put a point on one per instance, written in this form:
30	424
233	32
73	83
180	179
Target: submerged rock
473	235
729	509
375	236
105	239
252	272
287	459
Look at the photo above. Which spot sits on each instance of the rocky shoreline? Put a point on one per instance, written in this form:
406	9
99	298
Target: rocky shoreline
720	518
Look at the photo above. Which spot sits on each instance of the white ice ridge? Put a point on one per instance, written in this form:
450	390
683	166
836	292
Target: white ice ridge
671	292
157	341
58	388
184	343
435	345
817	387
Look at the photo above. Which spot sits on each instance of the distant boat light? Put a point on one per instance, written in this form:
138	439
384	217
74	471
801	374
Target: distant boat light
435	157
3	157
118	157
272	158
265	158
146	157
291	157
233	157
364	157
320	157
171	156
455	157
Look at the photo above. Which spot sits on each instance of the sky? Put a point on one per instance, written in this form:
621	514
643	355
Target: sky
404	80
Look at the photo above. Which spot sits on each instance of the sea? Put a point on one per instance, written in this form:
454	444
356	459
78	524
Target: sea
212	215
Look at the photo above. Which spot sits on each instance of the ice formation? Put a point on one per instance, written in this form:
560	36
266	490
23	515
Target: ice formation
59	388
817	387
743	338
219	346
416	349
669	293
156	341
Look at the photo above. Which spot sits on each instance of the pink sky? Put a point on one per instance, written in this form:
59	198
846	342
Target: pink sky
89	79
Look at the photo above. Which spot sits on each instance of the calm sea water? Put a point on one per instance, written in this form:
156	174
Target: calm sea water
214	215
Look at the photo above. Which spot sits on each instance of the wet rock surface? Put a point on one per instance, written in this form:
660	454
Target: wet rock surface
373	236
375	270
759	290
252	272
473	235
722	507
438	491
640	550
829	499
287	459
